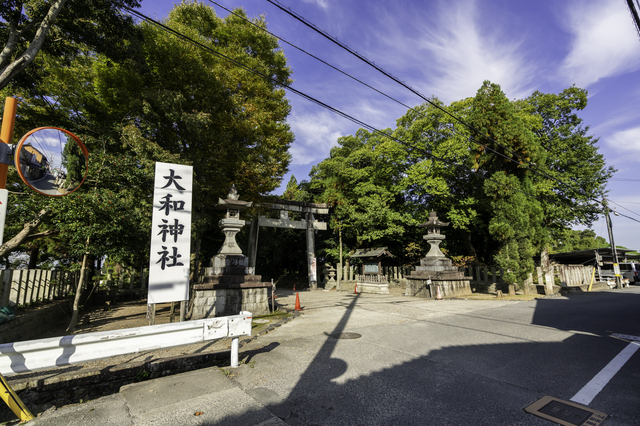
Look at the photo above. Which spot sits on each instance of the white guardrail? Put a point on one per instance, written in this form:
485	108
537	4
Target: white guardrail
20	357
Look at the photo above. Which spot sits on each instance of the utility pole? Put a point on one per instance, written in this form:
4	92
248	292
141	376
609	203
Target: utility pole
6	139
616	266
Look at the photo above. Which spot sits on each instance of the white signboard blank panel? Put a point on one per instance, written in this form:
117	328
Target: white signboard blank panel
170	234
4	198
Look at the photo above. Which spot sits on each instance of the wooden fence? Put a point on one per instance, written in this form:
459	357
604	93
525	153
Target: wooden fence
574	275
491	278
486	278
349	273
26	286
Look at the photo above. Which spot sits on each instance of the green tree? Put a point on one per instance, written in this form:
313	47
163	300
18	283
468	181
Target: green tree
575	173
507	148
62	40
179	103
226	122
512	225
572	240
359	181
295	191
500	181
435	171
74	162
58	27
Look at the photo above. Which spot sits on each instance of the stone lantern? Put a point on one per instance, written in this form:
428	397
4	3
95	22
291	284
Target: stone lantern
230	286
433	236
436	276
231	224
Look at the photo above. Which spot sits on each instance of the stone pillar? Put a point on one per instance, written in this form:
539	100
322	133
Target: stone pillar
252	250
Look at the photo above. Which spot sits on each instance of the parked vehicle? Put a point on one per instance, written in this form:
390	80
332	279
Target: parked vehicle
629	271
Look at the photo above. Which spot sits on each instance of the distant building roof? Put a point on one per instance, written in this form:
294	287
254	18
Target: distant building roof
589	256
372	252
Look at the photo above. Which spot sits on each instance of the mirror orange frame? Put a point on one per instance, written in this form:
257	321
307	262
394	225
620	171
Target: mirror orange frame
73	137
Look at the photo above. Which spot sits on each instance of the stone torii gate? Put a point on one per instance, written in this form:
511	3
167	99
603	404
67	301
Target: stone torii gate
308	223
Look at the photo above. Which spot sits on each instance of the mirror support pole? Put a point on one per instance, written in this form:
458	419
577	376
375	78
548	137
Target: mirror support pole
6	133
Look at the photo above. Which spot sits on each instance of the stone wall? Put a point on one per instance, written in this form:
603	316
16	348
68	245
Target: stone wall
29	325
211	302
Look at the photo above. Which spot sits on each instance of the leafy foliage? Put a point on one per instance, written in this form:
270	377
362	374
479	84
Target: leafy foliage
509	184
58	28
360	182
165	101
572	240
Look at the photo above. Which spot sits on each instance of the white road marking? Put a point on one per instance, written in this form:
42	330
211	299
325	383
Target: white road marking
591	389
626	337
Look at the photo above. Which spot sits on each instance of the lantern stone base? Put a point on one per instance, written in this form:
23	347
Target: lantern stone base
434	272
228	288
210	301
420	287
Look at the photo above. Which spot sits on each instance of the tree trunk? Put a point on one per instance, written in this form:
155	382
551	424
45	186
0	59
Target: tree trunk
28	228
470	249
10	70
33	257
76	301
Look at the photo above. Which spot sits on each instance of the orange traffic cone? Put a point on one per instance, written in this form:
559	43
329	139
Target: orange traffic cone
298	308
438	295
355	290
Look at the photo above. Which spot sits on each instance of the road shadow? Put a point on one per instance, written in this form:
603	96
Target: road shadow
467	383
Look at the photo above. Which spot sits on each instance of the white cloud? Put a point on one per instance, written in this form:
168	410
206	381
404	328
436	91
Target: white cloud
462	56
315	135
605	42
625	140
322	4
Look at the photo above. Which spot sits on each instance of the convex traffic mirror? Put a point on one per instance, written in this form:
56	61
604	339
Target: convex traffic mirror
52	161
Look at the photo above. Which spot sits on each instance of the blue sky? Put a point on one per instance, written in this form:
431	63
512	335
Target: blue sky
447	49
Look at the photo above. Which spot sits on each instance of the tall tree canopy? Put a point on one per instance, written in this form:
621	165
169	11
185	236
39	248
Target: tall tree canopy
175	102
228	123
57	27
169	101
360	181
510	176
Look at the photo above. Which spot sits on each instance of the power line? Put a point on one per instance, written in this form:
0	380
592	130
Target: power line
531	165
358	80
624	202
310	98
326	106
628	217
634	9
625	180
454	130
623	207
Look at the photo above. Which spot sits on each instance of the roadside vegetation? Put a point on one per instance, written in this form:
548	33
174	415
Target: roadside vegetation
512	180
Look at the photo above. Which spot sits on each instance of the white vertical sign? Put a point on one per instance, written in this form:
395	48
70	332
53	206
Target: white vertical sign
313	276
170	234
4	198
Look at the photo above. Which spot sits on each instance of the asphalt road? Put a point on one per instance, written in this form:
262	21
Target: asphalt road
452	362
416	362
